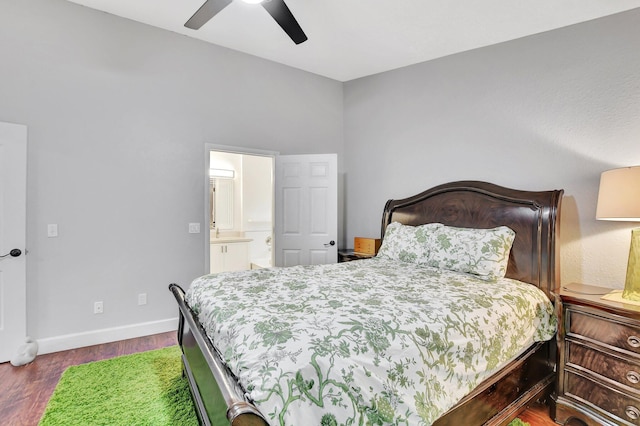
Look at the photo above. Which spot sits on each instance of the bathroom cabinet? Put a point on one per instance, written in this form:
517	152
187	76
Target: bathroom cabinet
229	255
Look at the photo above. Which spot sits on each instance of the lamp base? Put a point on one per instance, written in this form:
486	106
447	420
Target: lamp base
632	283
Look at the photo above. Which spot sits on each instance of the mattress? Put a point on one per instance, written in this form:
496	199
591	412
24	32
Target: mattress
373	341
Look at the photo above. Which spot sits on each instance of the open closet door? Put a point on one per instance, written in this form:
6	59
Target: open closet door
306	209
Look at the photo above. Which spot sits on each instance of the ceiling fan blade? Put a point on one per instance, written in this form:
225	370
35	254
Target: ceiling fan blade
207	11
283	16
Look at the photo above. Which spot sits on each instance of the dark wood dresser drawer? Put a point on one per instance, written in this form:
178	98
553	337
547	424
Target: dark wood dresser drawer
608	365
610	332
624	408
598	359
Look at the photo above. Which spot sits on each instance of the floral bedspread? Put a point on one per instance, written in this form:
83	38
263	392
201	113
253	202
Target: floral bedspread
366	342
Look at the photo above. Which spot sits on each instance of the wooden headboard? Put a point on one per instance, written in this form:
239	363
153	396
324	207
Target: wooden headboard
534	216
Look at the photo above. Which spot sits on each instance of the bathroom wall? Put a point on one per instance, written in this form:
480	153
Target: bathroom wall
257	210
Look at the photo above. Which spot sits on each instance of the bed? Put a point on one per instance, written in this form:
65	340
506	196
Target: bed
220	377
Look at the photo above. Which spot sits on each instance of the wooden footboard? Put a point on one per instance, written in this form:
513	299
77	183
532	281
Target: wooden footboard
218	398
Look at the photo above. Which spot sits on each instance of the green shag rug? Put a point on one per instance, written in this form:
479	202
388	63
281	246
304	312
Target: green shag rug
146	388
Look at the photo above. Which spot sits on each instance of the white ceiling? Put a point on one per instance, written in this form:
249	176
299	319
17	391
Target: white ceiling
349	39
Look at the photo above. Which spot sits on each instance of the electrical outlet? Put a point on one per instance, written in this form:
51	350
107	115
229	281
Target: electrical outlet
52	230
98	308
142	299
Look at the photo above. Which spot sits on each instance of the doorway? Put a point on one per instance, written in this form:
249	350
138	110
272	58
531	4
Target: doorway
240	209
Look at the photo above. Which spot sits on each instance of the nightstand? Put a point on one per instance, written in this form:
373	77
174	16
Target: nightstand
598	358
349	255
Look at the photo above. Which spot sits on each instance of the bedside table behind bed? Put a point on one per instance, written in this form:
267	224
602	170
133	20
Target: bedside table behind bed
349	255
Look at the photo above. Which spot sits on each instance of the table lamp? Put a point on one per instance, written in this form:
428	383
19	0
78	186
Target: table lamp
619	199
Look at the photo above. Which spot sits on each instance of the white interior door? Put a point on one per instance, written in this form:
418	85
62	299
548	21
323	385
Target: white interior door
13	201
306	209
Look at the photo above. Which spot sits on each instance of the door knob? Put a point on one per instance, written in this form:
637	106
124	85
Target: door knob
13	253
331	243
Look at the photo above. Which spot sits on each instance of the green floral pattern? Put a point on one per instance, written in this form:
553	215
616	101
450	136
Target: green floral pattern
482	252
409	243
375	342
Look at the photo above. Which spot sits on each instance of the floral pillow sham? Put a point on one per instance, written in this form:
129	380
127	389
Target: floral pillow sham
408	243
481	252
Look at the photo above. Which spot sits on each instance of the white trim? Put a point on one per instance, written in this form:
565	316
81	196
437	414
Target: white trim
238	150
105	335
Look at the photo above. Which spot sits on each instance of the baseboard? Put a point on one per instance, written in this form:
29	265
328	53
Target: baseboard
105	335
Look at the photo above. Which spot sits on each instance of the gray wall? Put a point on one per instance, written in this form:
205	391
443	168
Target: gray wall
548	111
119	112
118	115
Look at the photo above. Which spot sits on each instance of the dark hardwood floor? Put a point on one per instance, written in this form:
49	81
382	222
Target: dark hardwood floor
25	391
537	415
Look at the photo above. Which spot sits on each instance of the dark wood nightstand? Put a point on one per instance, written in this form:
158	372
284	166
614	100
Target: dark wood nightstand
598	358
349	255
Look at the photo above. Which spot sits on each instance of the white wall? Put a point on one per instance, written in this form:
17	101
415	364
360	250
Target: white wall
544	112
118	116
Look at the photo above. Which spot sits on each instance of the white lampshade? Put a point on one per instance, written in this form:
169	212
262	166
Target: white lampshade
619	195
619	199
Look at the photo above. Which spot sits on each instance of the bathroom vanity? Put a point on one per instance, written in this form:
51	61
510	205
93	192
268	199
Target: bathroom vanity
229	254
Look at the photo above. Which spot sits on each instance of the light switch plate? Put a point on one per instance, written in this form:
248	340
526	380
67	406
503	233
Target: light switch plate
142	299
194	228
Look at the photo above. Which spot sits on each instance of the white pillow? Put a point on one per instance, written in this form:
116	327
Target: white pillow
408	243
482	252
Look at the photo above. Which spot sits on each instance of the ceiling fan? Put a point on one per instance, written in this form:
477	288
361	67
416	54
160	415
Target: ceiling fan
276	8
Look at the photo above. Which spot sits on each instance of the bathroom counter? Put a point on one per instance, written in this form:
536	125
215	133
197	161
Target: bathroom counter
228	240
